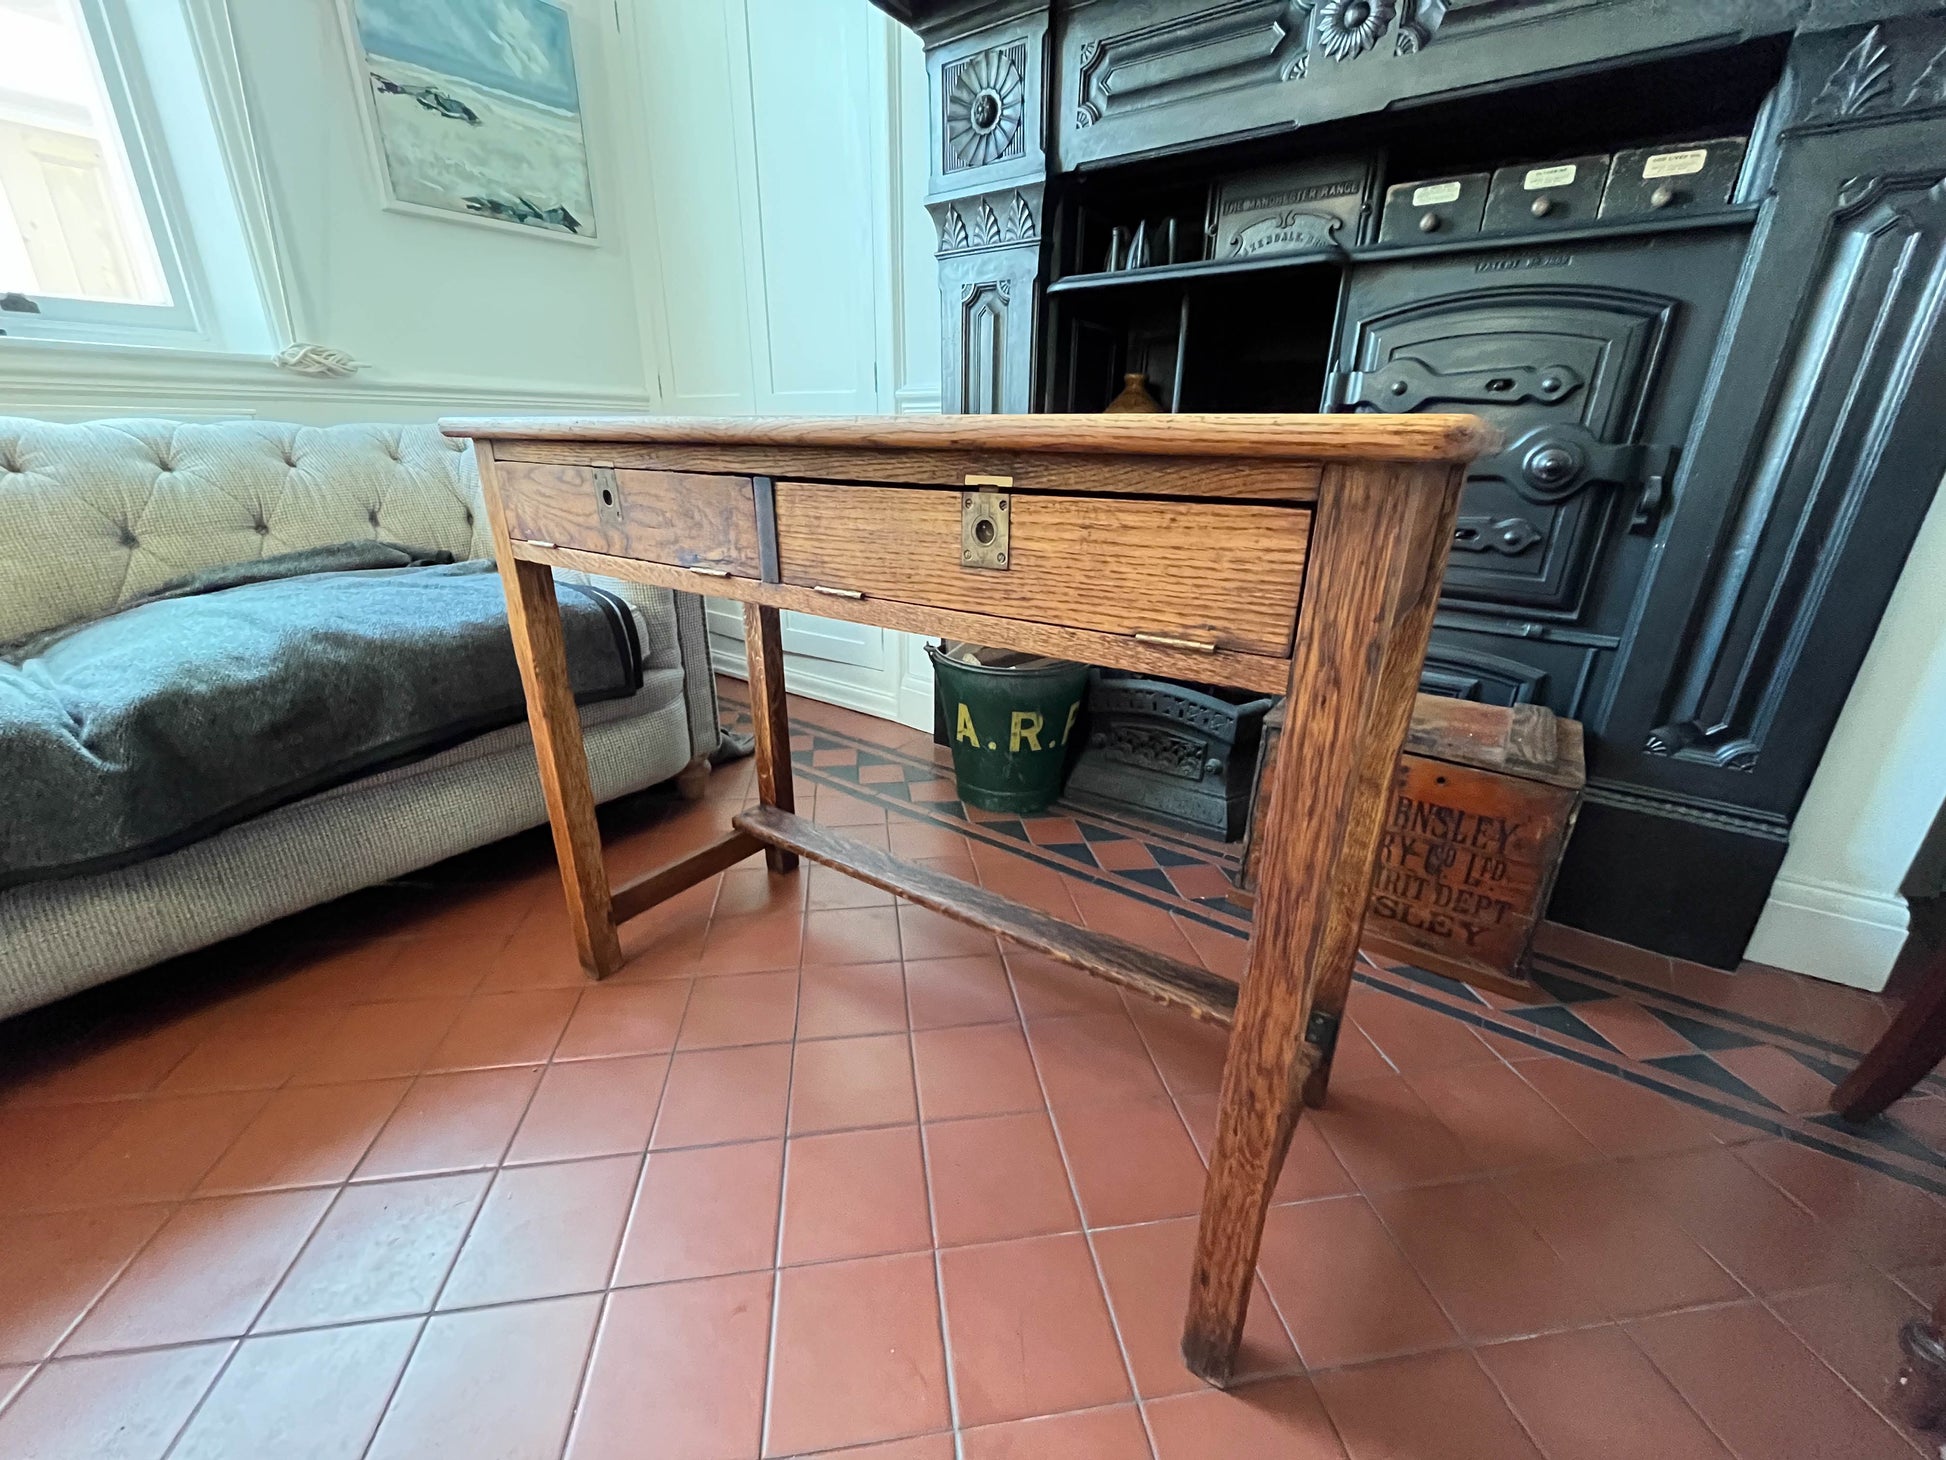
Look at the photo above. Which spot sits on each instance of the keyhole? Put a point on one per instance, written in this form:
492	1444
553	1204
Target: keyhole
983	531
1500	384
607	497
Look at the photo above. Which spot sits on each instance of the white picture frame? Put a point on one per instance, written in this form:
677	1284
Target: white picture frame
531	173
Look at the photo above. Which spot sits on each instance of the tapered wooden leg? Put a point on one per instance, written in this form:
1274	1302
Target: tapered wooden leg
1378	547
534	616
764	645
1905	1054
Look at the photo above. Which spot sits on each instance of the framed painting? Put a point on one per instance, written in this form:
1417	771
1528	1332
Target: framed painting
472	109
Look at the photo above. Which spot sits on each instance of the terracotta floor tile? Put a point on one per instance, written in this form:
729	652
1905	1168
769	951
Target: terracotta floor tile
457	964
1415	1039
1311	1169
1028	1330
258	1052
1050	990
158	1150
982	1069
1131	1162
910	838
996	1177
451	1123
885	1379
1632	1029
1097	1058
851	935
461	1399
747	890
678	1371
858	1193
942	992
1503	1123
1767	1241
1386	1136
937	1446
54	1265
838	1000
826	887
1280	1417
40	1145
624	1018
702	1212
1620	1118
544	1231
1146	1270
1091	1434
1591	1395
591	1108
118	1063
744	1008
837	1084
1356	1057
382	1251
1614	1230
1188	1053
927	934
1854	1328
13	1377
205	1274
1761	1390
505	1029
1486	1265
318	1394
836	808
1604	955
116	1407
1436	1406
376	1041
1345	1292
1775	1075
1888	1223
307	1135
717	1095
760	944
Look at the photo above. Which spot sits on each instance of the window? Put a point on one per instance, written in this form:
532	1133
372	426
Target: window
112	184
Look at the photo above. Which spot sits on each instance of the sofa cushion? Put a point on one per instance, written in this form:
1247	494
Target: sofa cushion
96	514
175	718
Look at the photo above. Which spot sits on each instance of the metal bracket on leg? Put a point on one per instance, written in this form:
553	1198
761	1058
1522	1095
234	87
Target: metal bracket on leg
1321	1033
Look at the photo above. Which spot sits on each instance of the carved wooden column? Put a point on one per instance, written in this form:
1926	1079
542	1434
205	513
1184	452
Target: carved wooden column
988	172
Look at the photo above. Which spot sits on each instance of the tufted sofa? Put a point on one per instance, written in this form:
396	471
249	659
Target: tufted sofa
96	514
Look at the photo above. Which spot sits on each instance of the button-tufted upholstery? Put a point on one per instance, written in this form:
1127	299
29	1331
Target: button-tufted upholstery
93	515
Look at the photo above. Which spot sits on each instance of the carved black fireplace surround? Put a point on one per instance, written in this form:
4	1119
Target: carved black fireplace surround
1690	256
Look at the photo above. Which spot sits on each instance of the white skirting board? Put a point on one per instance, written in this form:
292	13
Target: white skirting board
1834	933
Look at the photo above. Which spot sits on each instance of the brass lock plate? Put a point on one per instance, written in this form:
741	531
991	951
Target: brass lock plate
984	514
608	497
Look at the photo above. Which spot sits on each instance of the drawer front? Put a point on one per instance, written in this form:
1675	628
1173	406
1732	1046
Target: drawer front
1226	574
689	519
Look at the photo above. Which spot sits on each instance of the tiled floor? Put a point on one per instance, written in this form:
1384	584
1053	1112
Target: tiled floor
819	1174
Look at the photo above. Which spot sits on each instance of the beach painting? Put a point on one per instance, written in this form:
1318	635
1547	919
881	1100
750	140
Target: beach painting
473	110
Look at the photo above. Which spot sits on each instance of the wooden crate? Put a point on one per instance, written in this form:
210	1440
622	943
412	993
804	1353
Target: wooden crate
1481	807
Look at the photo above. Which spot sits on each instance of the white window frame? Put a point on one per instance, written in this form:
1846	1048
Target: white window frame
133	47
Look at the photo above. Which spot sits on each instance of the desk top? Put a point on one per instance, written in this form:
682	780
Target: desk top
1400	438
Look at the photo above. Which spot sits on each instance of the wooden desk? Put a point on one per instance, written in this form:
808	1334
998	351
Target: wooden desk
1298	553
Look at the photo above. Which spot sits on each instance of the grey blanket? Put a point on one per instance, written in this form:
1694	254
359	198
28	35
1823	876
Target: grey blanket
230	692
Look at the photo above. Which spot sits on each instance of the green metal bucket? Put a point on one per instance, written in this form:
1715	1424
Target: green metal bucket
1010	729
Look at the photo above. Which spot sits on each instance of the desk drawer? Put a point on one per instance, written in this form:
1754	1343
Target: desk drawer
690	519
1225	574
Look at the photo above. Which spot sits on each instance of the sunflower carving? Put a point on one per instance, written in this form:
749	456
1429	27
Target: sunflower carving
986	108
1348	28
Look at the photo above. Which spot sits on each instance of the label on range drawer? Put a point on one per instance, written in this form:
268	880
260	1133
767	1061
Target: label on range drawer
1676	164
1549	177
1446	192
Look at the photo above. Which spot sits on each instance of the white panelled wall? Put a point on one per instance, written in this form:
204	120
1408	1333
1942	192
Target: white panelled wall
794	273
